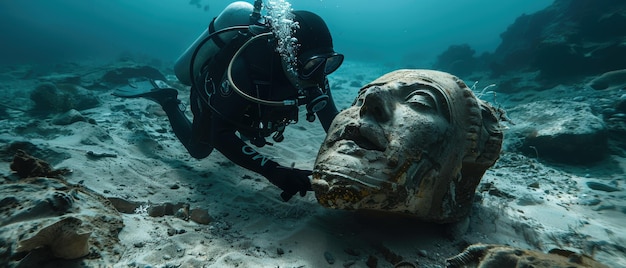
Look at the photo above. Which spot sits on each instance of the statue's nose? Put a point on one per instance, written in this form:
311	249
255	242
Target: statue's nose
376	104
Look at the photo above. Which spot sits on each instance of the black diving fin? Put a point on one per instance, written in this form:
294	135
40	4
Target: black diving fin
156	90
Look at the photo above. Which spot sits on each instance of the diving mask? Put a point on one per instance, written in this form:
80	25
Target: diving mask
313	65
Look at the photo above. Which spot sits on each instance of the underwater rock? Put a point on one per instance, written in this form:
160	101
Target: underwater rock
330	259
568	38
54	98
160	210
68	118
27	166
98	155
562	131
601	187
61	238
48	98
123	205
609	81
47	215
428	168
200	216
497	256
179	210
8	151
458	59
183	212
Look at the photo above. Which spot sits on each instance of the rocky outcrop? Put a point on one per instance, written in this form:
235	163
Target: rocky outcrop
459	60
561	131
49	98
47	222
569	38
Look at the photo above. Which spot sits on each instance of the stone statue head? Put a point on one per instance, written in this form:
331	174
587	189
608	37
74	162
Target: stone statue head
415	142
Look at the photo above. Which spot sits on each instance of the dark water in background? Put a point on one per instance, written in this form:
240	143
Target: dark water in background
390	32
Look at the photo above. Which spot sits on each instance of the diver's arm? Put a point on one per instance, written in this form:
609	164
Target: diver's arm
230	145
329	112
290	180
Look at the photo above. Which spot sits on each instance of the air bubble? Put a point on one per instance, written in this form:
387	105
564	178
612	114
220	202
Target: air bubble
283	26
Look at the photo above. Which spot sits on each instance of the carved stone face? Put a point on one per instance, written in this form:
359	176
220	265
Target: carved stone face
414	141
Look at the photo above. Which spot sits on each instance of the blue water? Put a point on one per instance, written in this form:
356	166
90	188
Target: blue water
397	32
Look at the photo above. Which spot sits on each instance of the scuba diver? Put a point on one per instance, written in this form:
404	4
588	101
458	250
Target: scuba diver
244	88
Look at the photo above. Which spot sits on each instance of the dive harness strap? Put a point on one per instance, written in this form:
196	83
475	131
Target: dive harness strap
214	69
216	38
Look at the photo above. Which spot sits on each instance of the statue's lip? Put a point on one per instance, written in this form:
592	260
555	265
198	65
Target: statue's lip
366	144
365	136
348	155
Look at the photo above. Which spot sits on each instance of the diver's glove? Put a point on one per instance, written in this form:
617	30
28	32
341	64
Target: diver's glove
290	180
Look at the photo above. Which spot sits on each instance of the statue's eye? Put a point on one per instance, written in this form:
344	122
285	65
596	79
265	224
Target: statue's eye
359	100
421	100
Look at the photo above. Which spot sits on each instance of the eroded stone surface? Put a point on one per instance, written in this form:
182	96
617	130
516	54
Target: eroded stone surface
562	131
47	218
415	142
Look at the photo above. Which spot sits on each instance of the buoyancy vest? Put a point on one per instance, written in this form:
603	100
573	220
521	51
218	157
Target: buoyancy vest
259	73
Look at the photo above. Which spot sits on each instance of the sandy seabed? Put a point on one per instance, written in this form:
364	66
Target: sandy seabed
522	201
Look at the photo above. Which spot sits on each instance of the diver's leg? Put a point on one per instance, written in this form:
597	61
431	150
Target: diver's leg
190	135
198	144
178	120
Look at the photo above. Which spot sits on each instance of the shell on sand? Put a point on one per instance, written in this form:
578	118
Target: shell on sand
61	238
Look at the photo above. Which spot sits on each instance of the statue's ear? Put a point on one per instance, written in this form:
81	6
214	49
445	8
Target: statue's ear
492	134
486	136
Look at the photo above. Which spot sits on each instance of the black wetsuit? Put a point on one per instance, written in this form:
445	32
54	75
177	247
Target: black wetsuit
258	72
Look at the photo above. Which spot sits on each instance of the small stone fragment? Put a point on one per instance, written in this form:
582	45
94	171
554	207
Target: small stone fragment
349	263
161	210
601	187
183	212
372	262
93	154
605	207
123	205
590	202
68	118
200	216
171	231
329	257
352	252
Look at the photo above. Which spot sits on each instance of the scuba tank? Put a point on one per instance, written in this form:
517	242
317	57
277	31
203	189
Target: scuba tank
235	14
